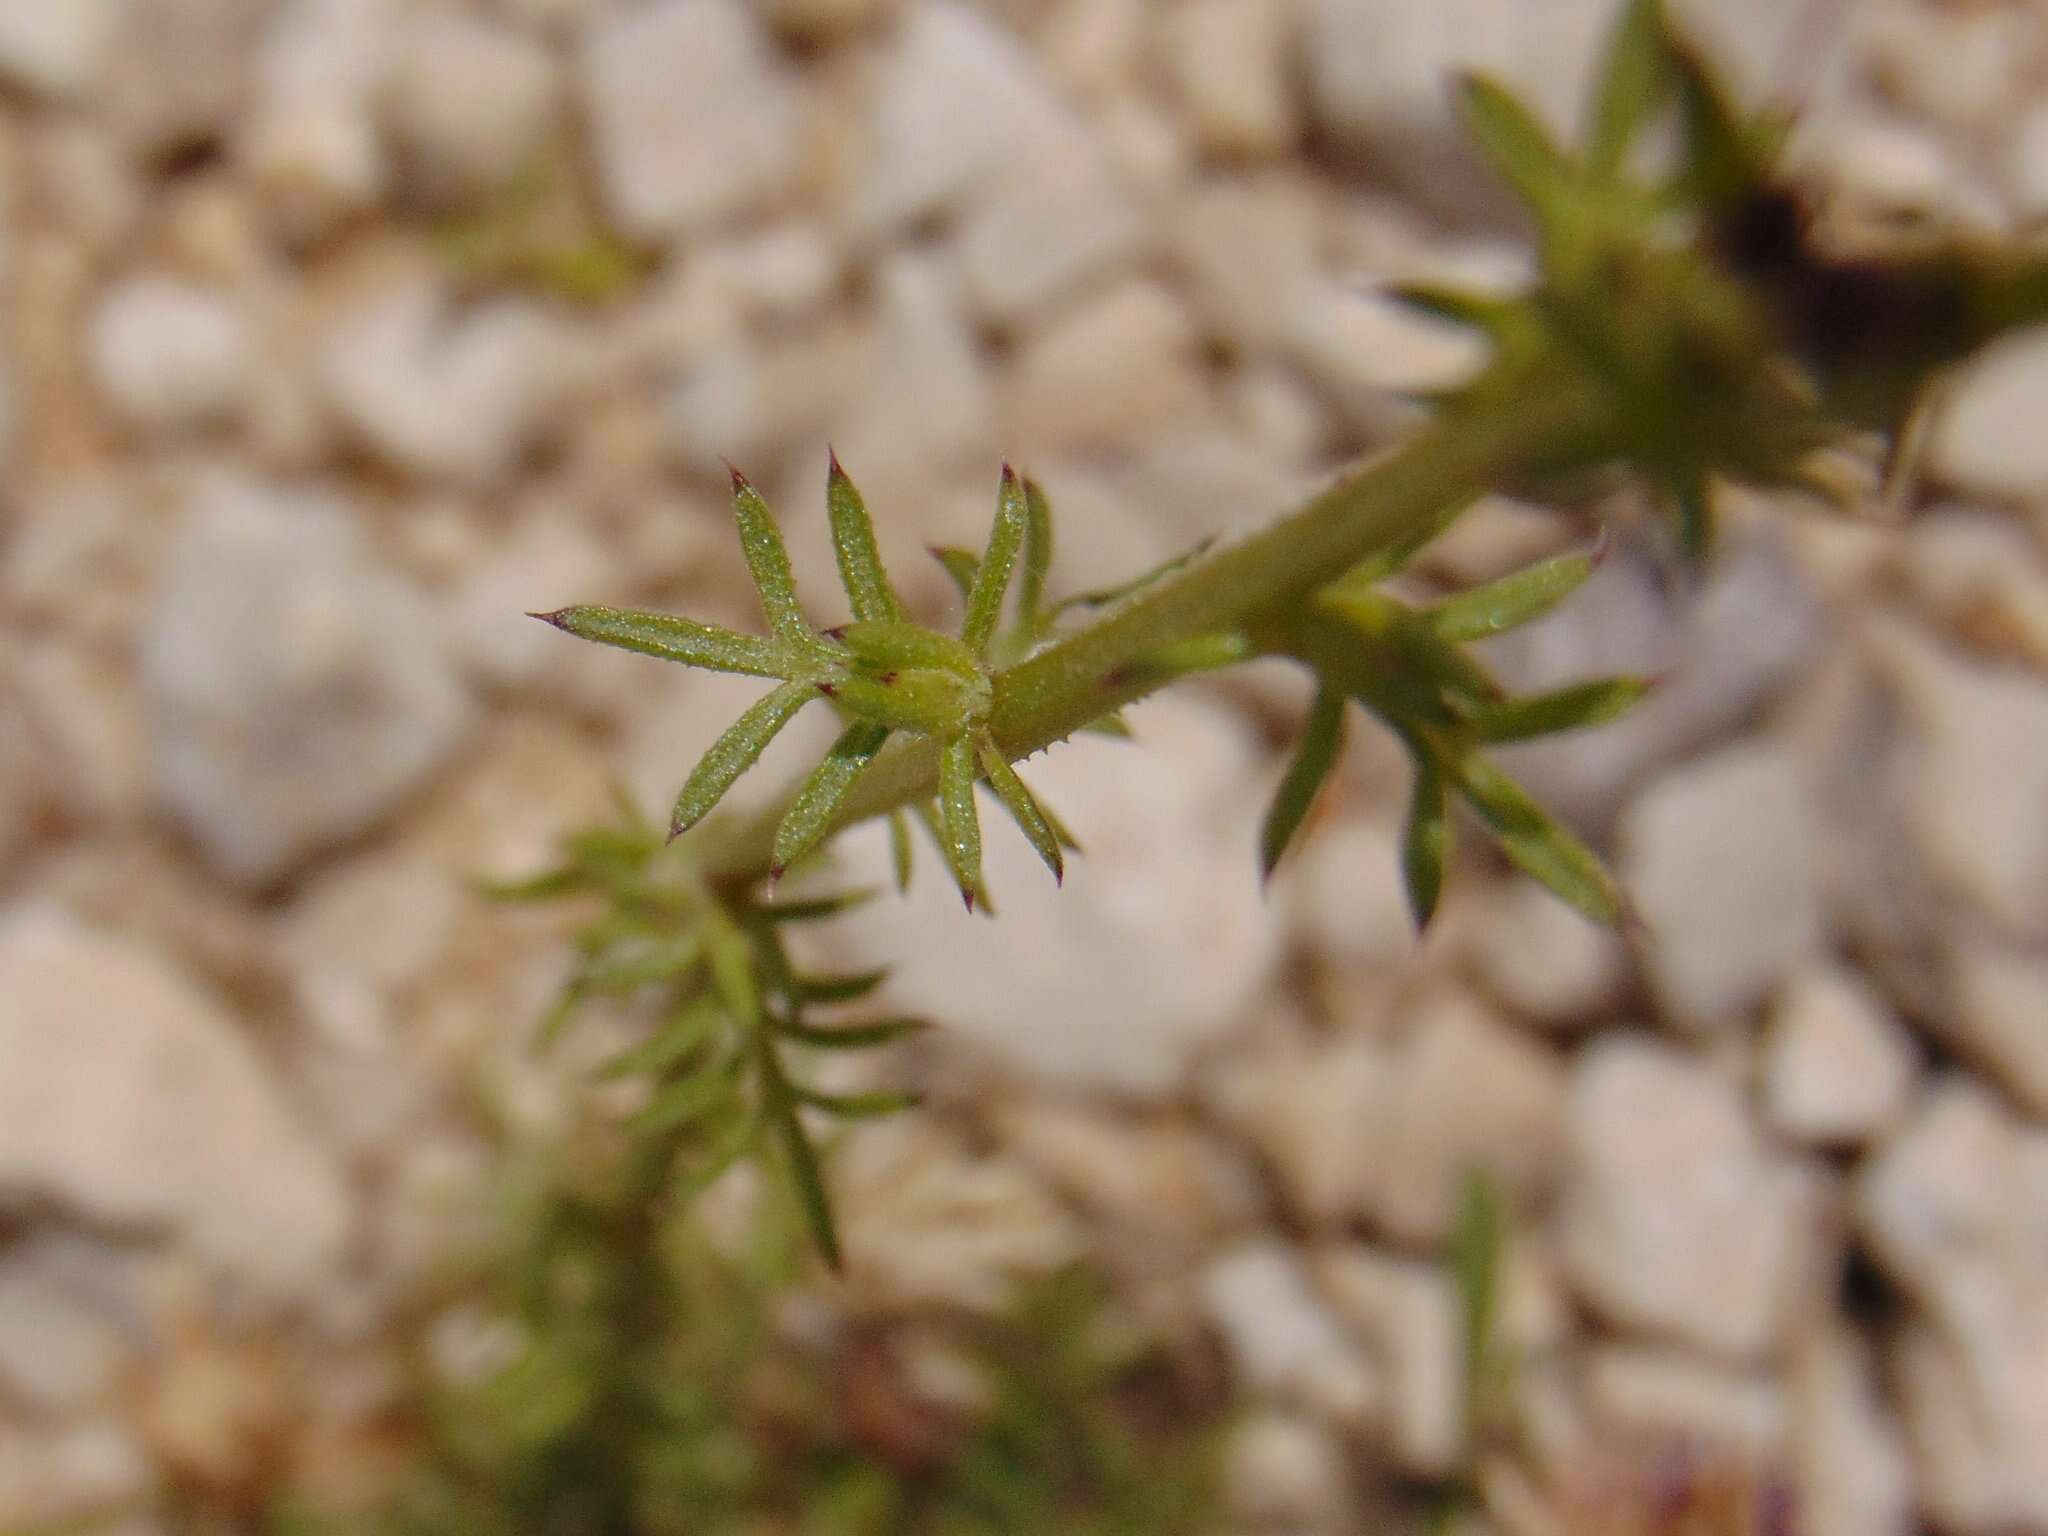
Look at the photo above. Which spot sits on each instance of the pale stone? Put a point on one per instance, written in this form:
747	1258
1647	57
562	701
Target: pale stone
293	693
310	135
1657	1392
546	563
1546	960
1391	1133
1981	575
1838	1066
1057	215
69	1474
446	395
1161	935
1675	1218
170	354
60	1341
1976	777
1343	891
131	1097
1288	1470
1407	1314
468	104
1110	369
2025	162
1997	1015
1984	440
693	118
1157	1183
927	1221
1246	244
1953	1209
57	49
1229	63
1364	349
1848	1457
1278	1333
780	273
1719	862
959	104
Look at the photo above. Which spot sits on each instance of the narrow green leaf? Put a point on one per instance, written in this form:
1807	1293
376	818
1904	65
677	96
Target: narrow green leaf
1518	147
768	562
998	561
1322	739
684	1033
1457	306
817	802
850	1037
957	817
1112	724
1023	807
823	990
857	1106
853	541
1634	81
735	752
927	814
1564	709
672	638
1515	599
1060	829
887	644
677	1104
1536	844
1375	568
813	909
1690	500
548	1029
1478	1249
960	565
548	885
1103	597
727	1147
732	971
1426	841
901	860
1037	549
779	1102
665	959
1412	647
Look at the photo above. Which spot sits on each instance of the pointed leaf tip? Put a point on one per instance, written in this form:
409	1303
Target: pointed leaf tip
552	616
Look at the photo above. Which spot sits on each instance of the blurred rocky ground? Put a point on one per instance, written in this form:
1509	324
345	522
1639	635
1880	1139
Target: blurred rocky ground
339	332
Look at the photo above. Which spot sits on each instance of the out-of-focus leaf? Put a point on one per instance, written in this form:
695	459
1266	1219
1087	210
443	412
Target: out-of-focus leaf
1513	600
858	1106
960	565
1634	83
851	1037
1565	709
836	989
1037	550
677	1104
1104	597
1516	145
1426	841
1535	843
686	1031
1322	740
901	860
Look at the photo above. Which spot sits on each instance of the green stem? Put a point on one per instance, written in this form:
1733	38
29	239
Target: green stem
1464	452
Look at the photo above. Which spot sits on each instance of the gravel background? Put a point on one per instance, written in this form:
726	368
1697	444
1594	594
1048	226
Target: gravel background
339	332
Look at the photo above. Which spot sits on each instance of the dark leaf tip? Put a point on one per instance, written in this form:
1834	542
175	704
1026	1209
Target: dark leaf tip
740	483
559	617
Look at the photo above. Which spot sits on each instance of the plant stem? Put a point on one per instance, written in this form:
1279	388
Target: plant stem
1464	452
